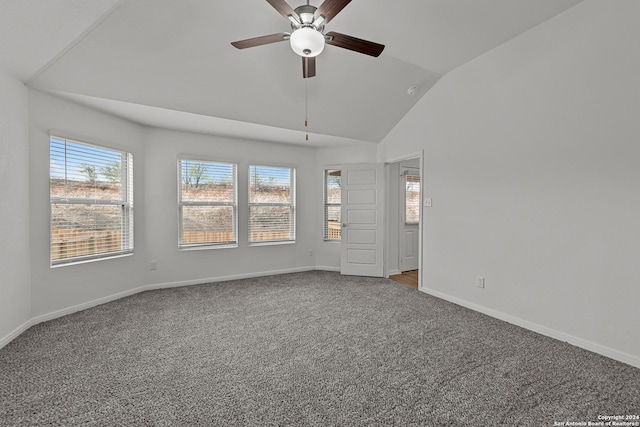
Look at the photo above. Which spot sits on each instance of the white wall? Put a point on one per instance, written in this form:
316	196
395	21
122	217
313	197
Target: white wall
15	288
60	288
161	226
327	253
531	158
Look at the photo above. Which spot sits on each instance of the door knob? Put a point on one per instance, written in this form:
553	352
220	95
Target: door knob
344	225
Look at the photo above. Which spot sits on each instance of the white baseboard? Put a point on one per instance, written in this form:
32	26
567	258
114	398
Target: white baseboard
327	268
103	300
14	334
63	312
226	278
543	330
84	305
587	345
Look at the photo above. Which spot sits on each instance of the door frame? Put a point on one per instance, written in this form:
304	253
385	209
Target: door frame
388	206
406	171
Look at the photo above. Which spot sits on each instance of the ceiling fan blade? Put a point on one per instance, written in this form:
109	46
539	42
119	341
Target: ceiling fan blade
308	67
259	41
284	9
353	43
330	8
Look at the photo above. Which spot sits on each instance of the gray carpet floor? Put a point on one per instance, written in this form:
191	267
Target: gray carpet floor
301	349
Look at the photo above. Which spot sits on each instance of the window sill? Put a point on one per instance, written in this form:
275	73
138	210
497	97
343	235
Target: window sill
207	247
288	242
86	261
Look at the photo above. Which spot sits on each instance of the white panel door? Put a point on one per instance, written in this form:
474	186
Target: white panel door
361	248
409	218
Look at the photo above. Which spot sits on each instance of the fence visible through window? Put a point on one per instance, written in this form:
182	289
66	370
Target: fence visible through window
272	215
91	195
207	206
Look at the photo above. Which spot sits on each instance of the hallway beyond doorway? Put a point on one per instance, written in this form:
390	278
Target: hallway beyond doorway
409	278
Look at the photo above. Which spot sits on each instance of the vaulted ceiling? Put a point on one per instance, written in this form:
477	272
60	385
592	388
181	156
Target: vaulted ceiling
170	63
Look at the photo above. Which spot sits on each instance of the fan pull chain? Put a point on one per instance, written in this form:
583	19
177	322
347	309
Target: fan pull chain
306	111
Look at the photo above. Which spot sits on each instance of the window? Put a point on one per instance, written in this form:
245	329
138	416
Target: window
412	199
332	201
207	205
91	195
272	214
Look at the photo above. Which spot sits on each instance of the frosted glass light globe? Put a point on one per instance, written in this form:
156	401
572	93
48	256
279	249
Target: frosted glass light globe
307	42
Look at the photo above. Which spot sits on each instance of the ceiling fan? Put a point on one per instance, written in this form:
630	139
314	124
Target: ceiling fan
307	37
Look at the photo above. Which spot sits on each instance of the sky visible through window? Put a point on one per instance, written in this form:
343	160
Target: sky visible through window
272	175
70	161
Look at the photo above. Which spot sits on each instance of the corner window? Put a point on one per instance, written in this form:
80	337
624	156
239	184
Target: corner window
332	204
91	197
207	207
272	207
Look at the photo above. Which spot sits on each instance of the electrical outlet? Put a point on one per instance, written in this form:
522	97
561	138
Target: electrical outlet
153	265
310	252
480	282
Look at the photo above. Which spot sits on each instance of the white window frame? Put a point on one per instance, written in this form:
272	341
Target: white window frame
125	201
233	204
327	205
406	193
291	204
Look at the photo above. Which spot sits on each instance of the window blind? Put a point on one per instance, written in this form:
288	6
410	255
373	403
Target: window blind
91	198
271	204
207	204
412	199
332	204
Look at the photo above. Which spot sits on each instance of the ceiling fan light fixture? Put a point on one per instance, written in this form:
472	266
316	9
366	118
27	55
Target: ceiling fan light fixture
307	42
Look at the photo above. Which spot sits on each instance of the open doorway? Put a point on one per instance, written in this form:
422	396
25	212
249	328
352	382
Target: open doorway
403	221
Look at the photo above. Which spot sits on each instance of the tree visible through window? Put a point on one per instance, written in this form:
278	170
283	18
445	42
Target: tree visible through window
91	196
272	216
332	204
207	204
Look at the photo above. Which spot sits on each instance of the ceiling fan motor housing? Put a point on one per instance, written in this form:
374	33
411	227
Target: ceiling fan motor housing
306	13
307	39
